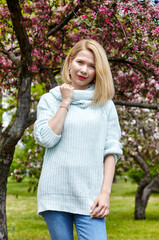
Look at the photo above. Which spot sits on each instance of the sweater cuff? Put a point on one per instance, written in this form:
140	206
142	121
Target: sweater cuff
116	156
46	137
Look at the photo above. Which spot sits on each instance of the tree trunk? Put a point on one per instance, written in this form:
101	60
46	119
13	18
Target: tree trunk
8	141
140	203
5	162
142	196
139	209
11	135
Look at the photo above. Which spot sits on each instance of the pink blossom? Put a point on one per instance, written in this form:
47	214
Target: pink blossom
155	31
107	20
84	31
31	40
93	14
157	86
60	9
34	68
135	48
107	2
134	10
84	16
150	95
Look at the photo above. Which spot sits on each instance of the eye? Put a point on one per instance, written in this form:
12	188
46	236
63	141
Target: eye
80	62
92	66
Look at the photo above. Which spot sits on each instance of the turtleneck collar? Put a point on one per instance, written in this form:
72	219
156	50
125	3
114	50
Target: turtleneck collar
83	98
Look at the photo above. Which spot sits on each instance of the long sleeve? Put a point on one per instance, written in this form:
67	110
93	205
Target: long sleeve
43	134
112	144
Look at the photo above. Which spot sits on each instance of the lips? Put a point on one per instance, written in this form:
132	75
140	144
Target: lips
81	77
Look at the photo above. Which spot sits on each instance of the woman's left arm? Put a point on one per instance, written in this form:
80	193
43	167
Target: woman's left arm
100	207
112	152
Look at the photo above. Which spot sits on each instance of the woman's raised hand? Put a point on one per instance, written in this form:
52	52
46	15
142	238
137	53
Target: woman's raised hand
67	93
58	120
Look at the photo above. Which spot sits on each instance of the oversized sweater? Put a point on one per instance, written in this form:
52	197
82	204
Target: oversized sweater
72	171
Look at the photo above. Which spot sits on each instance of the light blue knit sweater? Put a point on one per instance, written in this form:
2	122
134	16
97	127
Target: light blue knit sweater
72	171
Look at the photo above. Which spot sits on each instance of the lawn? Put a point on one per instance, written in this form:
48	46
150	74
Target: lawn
24	223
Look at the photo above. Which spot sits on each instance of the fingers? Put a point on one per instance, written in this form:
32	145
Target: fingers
66	92
100	212
95	204
67	86
100	207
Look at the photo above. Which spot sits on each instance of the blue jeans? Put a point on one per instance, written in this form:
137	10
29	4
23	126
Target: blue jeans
60	225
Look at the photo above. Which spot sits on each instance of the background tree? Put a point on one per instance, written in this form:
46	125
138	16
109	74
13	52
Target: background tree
34	39
140	140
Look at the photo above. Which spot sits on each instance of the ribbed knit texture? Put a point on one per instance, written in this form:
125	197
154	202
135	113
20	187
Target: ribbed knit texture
72	171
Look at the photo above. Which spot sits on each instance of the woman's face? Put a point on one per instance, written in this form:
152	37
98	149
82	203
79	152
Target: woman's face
82	69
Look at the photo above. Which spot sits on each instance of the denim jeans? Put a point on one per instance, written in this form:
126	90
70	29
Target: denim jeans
60	226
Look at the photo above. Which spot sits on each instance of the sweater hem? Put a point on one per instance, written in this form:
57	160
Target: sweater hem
65	203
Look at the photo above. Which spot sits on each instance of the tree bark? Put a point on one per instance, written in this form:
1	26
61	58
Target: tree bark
135	104
144	190
9	139
140	200
143	193
5	162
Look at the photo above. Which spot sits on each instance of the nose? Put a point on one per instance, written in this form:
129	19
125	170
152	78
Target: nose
84	69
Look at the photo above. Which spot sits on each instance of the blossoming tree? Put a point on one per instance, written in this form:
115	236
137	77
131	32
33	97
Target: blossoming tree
35	37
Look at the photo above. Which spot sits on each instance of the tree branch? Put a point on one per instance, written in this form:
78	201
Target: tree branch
17	20
142	164
121	27
16	128
31	119
16	61
144	181
154	182
134	65
134	104
121	60
64	21
149	188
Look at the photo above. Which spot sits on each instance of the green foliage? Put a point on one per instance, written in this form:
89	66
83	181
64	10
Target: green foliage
136	174
16	169
28	160
28	155
37	90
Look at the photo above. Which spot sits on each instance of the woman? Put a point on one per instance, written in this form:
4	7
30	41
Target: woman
78	124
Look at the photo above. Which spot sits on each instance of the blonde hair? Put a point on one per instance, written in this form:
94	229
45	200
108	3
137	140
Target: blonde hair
104	87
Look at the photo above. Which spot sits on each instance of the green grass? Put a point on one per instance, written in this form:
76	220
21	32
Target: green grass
24	223
120	222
